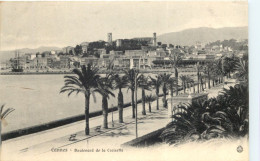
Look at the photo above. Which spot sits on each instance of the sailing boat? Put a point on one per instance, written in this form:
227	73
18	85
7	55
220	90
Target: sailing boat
17	67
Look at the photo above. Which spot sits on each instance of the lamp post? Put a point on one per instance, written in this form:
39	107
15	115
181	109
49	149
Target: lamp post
222	66
112	116
135	103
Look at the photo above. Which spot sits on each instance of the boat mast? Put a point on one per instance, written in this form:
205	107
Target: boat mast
18	61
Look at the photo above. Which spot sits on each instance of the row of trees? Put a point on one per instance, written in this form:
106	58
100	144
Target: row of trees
213	72
227	115
89	82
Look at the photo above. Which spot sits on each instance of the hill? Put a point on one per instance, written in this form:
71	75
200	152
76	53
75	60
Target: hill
204	35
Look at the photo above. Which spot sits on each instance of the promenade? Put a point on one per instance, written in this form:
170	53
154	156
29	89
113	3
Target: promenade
68	140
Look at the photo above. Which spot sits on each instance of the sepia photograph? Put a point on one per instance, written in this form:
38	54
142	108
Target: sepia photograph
124	81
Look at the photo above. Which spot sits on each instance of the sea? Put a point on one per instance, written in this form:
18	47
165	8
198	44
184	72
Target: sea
36	100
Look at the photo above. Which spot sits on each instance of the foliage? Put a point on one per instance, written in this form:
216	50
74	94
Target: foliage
150	98
106	90
86	81
234	44
78	50
172	84
224	116
184	80
106	86
5	113
156	83
241	67
131	74
120	83
144	84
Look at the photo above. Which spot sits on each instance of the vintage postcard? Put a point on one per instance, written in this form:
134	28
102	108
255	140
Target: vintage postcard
119	81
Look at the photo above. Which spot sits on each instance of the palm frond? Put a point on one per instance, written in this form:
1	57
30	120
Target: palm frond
6	112
2	107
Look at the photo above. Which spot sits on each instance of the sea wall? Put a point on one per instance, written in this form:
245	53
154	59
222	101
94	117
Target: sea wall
56	123
146	140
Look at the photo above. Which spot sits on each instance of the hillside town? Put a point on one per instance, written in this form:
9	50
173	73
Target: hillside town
145	81
142	53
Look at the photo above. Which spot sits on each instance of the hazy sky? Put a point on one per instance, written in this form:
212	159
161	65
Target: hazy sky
34	24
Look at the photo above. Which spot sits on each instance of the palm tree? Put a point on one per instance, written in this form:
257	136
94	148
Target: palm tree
175	60
202	77
165	80
229	64
172	85
149	98
227	115
106	90
156	83
183	79
131	74
198	74
207	70
242	68
192	83
144	84
3	115
86	82
217	71
220	64
120	83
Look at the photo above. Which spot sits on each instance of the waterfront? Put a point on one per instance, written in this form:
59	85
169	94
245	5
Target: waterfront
36	100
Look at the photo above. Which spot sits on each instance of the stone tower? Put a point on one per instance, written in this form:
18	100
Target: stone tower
119	42
154	39
109	38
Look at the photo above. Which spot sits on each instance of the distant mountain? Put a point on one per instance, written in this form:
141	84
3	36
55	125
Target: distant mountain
6	55
204	35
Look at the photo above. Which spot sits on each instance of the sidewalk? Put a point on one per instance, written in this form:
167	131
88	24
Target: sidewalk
43	142
70	139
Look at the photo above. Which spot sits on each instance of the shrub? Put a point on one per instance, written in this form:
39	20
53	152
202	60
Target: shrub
224	116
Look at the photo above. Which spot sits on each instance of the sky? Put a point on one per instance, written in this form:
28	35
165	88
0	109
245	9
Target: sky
35	24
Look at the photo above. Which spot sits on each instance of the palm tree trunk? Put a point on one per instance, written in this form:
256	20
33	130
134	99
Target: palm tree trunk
176	76
208	80
133	103
198	77
171	91
164	96
105	111
0	136
150	108
157	100
201	85
120	106
87	113
183	86
143	101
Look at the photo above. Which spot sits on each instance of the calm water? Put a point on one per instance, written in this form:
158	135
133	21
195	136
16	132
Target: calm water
36	100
